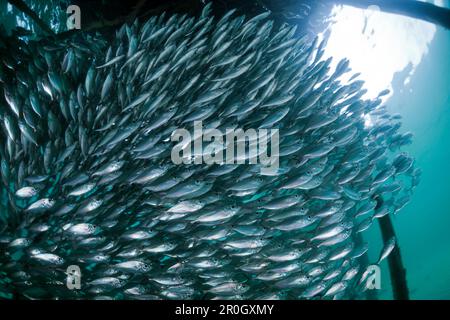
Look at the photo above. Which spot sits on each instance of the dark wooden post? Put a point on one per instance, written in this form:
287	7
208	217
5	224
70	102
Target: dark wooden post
396	269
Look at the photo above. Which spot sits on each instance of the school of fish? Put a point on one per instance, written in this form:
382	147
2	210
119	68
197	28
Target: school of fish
87	178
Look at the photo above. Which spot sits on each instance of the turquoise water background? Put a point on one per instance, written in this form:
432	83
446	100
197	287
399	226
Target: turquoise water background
423	226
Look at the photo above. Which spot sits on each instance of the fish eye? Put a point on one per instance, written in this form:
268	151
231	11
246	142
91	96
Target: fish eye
197	182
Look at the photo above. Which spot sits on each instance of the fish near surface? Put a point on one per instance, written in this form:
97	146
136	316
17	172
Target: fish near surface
86	167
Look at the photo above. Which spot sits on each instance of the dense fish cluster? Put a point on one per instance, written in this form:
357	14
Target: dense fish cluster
87	178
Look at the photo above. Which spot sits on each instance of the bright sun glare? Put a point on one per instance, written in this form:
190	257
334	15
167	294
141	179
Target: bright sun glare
377	44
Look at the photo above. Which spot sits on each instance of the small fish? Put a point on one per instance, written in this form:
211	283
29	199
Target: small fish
49	258
82	229
133	266
26	192
41	205
389	246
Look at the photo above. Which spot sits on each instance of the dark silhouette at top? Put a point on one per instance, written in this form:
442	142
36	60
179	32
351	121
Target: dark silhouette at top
305	13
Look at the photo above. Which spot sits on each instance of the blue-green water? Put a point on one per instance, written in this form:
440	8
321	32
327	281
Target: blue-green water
423	225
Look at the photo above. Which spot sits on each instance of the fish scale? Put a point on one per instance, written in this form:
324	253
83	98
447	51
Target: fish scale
139	226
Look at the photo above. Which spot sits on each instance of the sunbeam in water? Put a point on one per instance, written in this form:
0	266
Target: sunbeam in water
378	44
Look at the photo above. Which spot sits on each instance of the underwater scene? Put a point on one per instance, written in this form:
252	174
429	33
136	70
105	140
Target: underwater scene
225	150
